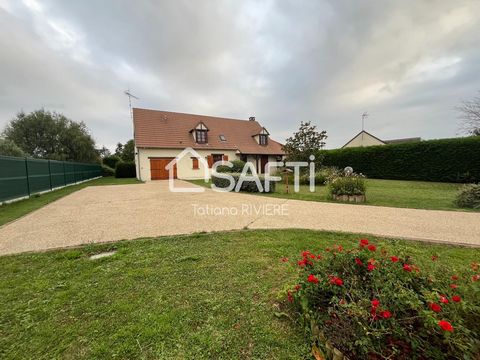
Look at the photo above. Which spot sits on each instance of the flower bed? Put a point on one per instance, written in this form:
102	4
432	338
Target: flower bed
349	188
364	303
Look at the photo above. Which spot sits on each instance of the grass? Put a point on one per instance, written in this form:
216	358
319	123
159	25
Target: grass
203	296
395	193
12	211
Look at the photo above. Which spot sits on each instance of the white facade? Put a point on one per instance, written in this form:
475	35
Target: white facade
363	139
185	166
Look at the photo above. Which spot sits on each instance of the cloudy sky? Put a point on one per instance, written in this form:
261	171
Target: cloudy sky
407	62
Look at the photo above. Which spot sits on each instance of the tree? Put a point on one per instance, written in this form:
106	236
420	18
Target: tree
9	148
126	152
305	142
51	135
103	152
470	115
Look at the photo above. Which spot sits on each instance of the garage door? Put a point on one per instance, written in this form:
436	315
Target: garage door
158	171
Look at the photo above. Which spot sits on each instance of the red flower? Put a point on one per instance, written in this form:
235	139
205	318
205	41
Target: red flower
386	314
443	299
312	256
454	286
372	248
407	267
434	258
363	242
454	277
445	325
435	307
475	277
370	267
298	287
319	256
338	282
394	259
375	303
358	261
284	259
456	298
305	253
312	279
302	263
290	297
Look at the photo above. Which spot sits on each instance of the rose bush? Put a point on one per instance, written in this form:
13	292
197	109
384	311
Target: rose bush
373	305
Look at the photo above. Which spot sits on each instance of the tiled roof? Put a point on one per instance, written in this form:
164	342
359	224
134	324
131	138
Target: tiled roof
164	129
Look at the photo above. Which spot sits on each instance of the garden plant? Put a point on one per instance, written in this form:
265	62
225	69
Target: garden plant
368	304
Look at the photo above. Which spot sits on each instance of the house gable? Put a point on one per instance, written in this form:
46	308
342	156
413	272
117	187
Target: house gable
362	139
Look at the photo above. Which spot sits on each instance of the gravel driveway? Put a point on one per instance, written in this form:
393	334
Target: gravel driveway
110	213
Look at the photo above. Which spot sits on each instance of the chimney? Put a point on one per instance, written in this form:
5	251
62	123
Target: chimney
251	118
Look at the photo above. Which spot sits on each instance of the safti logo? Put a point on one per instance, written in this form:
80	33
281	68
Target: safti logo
248	174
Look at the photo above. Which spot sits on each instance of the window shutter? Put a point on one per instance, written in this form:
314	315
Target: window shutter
225	157
194	163
210	160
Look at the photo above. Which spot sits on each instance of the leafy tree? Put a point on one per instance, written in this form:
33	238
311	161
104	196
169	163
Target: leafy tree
470	115
126	151
305	142
9	148
51	135
103	152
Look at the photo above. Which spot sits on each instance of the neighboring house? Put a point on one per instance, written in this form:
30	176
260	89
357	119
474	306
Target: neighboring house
160	136
364	138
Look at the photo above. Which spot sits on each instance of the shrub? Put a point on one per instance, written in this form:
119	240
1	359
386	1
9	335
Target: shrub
374	305
111	161
347	185
450	160
125	170
469	197
107	170
247	186
321	176
237	167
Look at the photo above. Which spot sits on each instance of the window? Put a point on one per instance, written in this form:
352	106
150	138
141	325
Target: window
222	137
201	136
217	157
262	139
195	163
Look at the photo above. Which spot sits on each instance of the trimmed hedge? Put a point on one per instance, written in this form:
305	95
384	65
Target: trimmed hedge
107	170
125	170
447	160
247	186
111	161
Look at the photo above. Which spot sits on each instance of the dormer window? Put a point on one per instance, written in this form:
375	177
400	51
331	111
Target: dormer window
263	139
200	133
201	136
222	137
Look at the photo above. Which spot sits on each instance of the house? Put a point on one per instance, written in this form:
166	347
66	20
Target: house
364	138
160	136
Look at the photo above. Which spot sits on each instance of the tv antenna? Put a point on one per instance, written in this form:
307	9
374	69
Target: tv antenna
364	116
130	96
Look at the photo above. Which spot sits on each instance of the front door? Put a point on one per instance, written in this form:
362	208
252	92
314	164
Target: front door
158	171
263	163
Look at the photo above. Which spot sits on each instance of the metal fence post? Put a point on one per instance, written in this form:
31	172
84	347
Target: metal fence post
50	174
28	180
64	174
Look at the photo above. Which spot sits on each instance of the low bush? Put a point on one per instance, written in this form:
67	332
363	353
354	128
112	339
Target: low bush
237	167
247	186
321	176
111	161
373	305
125	170
469	197
107	170
347	185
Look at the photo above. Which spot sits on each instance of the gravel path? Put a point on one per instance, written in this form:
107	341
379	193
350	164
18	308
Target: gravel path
110	213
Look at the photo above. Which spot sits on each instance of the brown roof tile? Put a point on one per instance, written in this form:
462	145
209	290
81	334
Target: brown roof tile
164	129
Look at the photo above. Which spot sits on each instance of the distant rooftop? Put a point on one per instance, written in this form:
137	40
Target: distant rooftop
401	141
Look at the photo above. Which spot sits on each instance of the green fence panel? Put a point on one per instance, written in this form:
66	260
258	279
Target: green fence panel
21	177
13	178
57	174
38	175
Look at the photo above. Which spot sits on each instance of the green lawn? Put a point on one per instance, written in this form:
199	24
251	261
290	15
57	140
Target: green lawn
395	193
12	211
204	296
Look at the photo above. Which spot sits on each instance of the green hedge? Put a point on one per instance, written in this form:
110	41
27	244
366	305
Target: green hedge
447	160
125	170
247	186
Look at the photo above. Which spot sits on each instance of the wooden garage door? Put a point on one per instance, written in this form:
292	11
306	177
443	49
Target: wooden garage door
158	171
